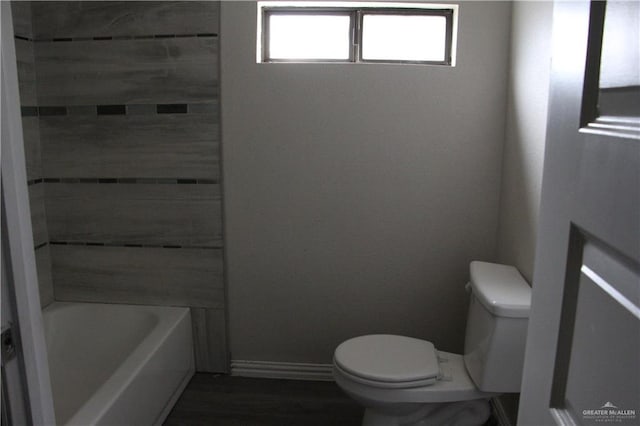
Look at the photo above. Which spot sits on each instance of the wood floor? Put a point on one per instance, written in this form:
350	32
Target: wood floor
215	400
219	400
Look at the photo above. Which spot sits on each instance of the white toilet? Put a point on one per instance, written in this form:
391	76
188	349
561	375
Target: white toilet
406	381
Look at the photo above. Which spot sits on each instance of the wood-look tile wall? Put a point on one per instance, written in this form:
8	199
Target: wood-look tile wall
159	70
59	19
152	214
165	145
130	156
23	30
149	275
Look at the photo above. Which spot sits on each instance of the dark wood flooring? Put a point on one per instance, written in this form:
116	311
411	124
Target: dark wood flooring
218	400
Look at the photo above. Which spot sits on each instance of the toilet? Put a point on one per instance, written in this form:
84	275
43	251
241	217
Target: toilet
404	381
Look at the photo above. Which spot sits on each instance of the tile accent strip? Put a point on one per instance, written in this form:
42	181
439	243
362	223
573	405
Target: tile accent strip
29	111
171	108
111	109
52	110
120	109
82	110
122	37
111	180
121	244
34	181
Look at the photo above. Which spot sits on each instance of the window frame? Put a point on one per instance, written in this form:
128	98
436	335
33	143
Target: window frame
356	16
275	10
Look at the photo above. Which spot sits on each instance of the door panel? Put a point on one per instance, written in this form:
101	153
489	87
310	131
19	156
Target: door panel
600	315
583	345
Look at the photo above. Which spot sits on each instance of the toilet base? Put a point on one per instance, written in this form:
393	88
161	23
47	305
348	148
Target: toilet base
459	413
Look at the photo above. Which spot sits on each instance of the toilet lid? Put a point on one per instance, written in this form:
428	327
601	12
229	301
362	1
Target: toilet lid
389	359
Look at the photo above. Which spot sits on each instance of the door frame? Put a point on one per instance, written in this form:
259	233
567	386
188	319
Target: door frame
18	236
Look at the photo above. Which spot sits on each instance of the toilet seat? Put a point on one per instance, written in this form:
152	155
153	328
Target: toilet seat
454	385
388	361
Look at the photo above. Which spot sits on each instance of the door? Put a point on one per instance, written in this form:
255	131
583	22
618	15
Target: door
582	362
20	298
14	408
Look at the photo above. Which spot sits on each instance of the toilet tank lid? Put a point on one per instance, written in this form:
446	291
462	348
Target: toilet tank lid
501	289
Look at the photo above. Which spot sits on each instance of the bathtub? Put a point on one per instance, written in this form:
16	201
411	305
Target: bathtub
117	364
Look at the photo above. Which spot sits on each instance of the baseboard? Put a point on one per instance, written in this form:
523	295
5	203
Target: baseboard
281	370
499	412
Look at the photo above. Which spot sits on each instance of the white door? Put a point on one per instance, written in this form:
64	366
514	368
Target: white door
582	363
14	406
20	285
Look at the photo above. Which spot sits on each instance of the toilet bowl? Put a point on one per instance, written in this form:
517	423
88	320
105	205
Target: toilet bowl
404	381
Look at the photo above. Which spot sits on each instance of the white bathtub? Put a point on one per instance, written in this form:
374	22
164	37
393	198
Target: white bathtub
117	364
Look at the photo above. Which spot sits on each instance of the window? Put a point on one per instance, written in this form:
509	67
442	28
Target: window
404	37
302	35
356	32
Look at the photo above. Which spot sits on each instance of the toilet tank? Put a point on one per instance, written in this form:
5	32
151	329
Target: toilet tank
496	327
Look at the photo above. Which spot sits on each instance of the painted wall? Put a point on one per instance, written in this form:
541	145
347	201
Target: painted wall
357	195
524	143
525	133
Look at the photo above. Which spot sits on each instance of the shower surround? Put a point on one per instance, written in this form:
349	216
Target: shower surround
121	121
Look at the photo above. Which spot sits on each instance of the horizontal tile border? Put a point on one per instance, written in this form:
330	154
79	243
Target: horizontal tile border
39	246
179	181
29	111
111	109
171	109
109	180
118	109
31	182
105	38
120	244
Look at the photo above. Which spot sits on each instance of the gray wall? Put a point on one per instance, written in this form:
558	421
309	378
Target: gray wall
525	133
128	111
357	195
524	142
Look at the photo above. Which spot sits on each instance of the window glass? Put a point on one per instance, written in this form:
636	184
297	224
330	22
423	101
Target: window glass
403	37
305	36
